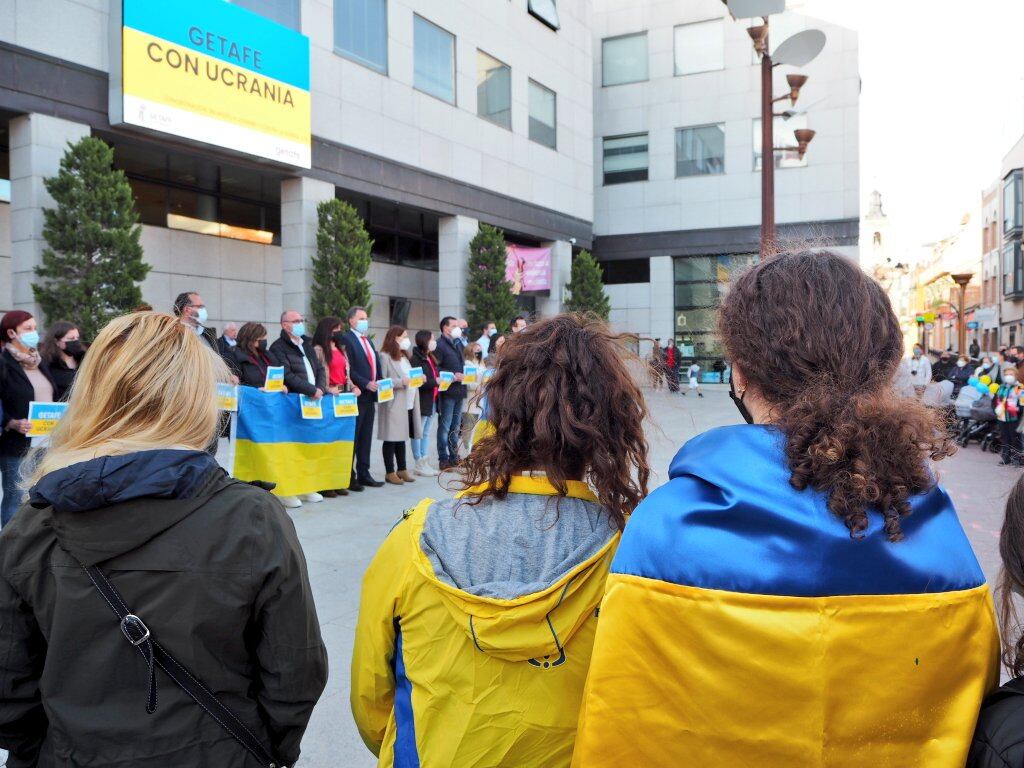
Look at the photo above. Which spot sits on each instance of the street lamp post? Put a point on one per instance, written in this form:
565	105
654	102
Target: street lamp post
962	279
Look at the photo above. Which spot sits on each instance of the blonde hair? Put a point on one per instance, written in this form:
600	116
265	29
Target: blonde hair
147	382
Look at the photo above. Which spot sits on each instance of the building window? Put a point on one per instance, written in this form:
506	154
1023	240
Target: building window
700	284
699	47
434	52
5	162
1013	269
1012	203
546	11
285	12
401	235
626	271
624	59
782	133
361	32
182	192
700	150
543	115
625	158
493	90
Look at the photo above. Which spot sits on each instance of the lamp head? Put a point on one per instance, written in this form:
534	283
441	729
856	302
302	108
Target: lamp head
796	82
803	138
759	35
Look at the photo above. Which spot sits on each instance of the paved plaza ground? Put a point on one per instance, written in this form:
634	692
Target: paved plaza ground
341	535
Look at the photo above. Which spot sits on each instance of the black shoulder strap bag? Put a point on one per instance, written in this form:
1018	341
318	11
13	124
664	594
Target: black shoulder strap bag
155	655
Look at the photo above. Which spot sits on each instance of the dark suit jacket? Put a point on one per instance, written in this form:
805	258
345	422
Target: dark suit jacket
283	352
16	393
359	365
449	358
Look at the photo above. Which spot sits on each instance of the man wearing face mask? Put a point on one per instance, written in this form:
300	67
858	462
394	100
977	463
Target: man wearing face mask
449	403
944	366
490	330
959	374
364	370
920	369
1007	404
189	307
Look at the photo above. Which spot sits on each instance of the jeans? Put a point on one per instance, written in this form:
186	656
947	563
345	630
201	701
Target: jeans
10	466
449	425
421	447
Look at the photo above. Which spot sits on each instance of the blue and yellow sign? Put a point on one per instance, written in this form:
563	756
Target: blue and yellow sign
44	417
214	72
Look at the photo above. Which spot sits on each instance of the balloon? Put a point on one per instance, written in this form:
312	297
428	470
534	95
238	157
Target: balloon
973	381
982	388
993	387
986	379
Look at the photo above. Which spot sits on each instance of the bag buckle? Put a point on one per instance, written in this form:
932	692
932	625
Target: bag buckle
132	623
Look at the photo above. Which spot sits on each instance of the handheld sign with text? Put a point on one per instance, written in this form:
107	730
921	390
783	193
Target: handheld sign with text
311	409
385	391
275	379
487	374
469	373
227	397
345	405
416	378
44	417
444	380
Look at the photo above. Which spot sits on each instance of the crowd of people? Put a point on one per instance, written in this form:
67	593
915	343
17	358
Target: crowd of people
667	369
799	592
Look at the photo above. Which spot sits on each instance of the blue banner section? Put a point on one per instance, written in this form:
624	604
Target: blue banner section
226	32
273	417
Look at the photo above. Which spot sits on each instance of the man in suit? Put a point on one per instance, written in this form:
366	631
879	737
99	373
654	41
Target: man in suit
449	403
227	342
364	370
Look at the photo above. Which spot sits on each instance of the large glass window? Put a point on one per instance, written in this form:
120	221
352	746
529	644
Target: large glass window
699	47
400	235
624	59
361	32
543	115
1013	269
546	11
625	158
286	12
5	161
493	90
434	53
782	131
1013	217
700	150
626	271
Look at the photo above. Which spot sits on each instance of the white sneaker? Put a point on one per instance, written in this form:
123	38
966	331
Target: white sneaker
311	497
422	468
290	502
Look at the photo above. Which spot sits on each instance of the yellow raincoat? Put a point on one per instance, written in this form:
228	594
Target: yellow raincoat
443	678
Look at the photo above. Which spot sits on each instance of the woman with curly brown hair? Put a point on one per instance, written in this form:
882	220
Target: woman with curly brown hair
478	613
800	593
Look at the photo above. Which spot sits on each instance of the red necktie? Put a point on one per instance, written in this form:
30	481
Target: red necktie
369	359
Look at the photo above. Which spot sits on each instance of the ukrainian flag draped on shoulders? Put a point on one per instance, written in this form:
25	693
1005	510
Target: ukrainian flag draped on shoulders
743	626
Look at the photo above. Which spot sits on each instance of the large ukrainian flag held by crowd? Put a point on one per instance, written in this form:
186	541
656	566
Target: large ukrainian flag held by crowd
741	626
214	72
275	444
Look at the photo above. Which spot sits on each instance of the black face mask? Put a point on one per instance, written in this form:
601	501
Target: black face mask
261	345
74	348
738	402
338	339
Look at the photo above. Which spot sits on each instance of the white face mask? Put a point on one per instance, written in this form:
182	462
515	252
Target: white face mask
1009	380
404	344
456	332
961	363
431	346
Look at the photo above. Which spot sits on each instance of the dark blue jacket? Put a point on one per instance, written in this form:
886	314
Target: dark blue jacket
449	358
359	365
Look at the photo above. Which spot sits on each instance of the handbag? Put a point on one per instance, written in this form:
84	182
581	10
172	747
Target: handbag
155	655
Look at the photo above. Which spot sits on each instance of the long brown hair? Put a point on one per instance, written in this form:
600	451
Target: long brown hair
562	401
817	338
390	346
248	335
1011	577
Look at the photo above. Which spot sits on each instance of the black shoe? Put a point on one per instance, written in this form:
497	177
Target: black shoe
355	486
369	482
341	492
699	395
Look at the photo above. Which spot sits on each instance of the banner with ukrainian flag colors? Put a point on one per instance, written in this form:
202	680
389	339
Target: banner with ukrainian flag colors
215	72
742	626
275	444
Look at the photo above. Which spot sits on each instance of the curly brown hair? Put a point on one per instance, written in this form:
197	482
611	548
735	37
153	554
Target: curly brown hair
562	401
818	340
1011	579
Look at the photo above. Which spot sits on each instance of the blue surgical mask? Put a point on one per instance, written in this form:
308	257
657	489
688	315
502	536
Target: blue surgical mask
362	326
201	315
30	339
299	329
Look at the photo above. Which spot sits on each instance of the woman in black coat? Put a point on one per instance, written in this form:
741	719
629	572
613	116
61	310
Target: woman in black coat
62	351
250	355
999	736
423	357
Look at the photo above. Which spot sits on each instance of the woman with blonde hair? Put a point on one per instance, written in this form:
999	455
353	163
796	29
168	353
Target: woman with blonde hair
141	577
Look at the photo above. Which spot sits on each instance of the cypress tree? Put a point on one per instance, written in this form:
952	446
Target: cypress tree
341	262
489	295
587	288
93	264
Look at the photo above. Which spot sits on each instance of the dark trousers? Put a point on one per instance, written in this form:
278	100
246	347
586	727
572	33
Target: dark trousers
1009	438
364	436
10	466
394	453
449	426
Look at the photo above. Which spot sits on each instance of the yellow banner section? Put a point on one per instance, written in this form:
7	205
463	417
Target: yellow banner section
159	71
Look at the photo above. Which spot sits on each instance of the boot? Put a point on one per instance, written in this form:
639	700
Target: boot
393	478
421	467
406	475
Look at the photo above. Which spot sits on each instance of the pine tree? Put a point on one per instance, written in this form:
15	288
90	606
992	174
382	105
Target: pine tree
587	288
93	263
489	295
341	262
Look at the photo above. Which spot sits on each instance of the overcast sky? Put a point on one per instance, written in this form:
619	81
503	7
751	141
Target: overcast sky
942	102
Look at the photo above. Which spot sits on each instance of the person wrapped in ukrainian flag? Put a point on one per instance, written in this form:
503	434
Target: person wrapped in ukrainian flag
800	592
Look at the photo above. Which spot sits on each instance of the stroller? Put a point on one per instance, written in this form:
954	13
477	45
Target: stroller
980	423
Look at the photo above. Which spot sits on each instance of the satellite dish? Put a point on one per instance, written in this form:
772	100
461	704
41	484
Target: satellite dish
799	49
750	9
